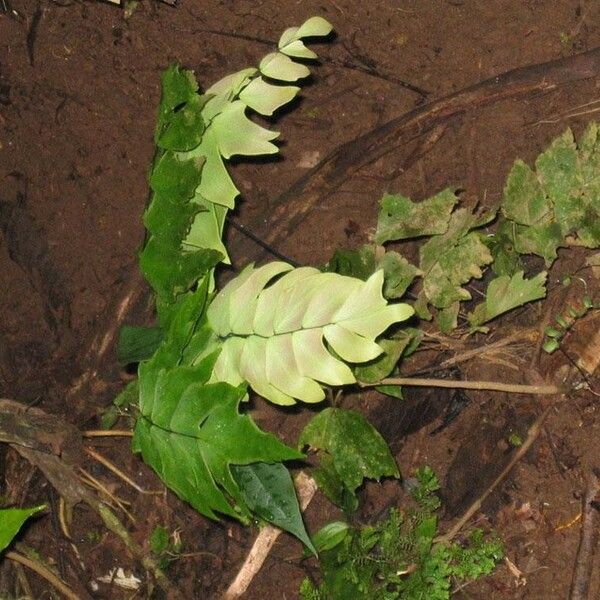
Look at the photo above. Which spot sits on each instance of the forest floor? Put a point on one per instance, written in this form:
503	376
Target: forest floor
79	87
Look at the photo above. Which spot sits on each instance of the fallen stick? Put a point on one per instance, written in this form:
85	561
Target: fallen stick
497	386
57	583
318	183
580	584
532	435
306	488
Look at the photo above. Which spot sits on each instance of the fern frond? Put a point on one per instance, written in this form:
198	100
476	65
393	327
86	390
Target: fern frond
284	339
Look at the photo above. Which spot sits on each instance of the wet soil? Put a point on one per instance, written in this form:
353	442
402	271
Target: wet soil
79	86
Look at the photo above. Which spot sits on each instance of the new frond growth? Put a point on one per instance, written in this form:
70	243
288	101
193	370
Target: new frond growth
277	337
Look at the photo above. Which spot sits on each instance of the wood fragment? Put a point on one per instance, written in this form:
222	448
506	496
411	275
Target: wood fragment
120	474
580	584
307	192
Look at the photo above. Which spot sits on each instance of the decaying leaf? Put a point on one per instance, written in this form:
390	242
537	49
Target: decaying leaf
350	445
505	293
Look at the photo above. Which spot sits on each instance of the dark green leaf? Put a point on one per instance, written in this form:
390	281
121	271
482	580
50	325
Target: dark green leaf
180	125
136	344
353	263
11	520
191	433
399	274
171	272
269	493
330	535
175	177
502	247
159	540
332	486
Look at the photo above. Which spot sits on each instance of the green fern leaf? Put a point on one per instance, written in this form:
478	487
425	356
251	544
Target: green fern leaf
274	337
191	432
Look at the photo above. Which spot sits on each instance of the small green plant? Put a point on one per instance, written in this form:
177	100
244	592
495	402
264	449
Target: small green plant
166	547
285	332
11	520
398	557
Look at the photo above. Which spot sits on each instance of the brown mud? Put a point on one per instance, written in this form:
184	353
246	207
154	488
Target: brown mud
79	86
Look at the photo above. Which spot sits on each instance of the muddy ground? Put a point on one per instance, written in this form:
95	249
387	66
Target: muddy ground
79	86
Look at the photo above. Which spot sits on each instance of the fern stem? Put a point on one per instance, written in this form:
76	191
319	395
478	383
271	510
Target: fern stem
497	386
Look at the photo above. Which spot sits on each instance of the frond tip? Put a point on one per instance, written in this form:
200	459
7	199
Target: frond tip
287	338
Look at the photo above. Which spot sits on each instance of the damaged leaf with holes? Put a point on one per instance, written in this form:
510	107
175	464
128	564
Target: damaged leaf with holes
350	450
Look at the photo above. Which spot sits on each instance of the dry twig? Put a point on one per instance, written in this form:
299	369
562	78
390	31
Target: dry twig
532	435
580	585
497	386
42	571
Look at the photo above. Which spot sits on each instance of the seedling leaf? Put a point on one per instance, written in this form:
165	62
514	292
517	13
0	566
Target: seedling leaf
330	535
